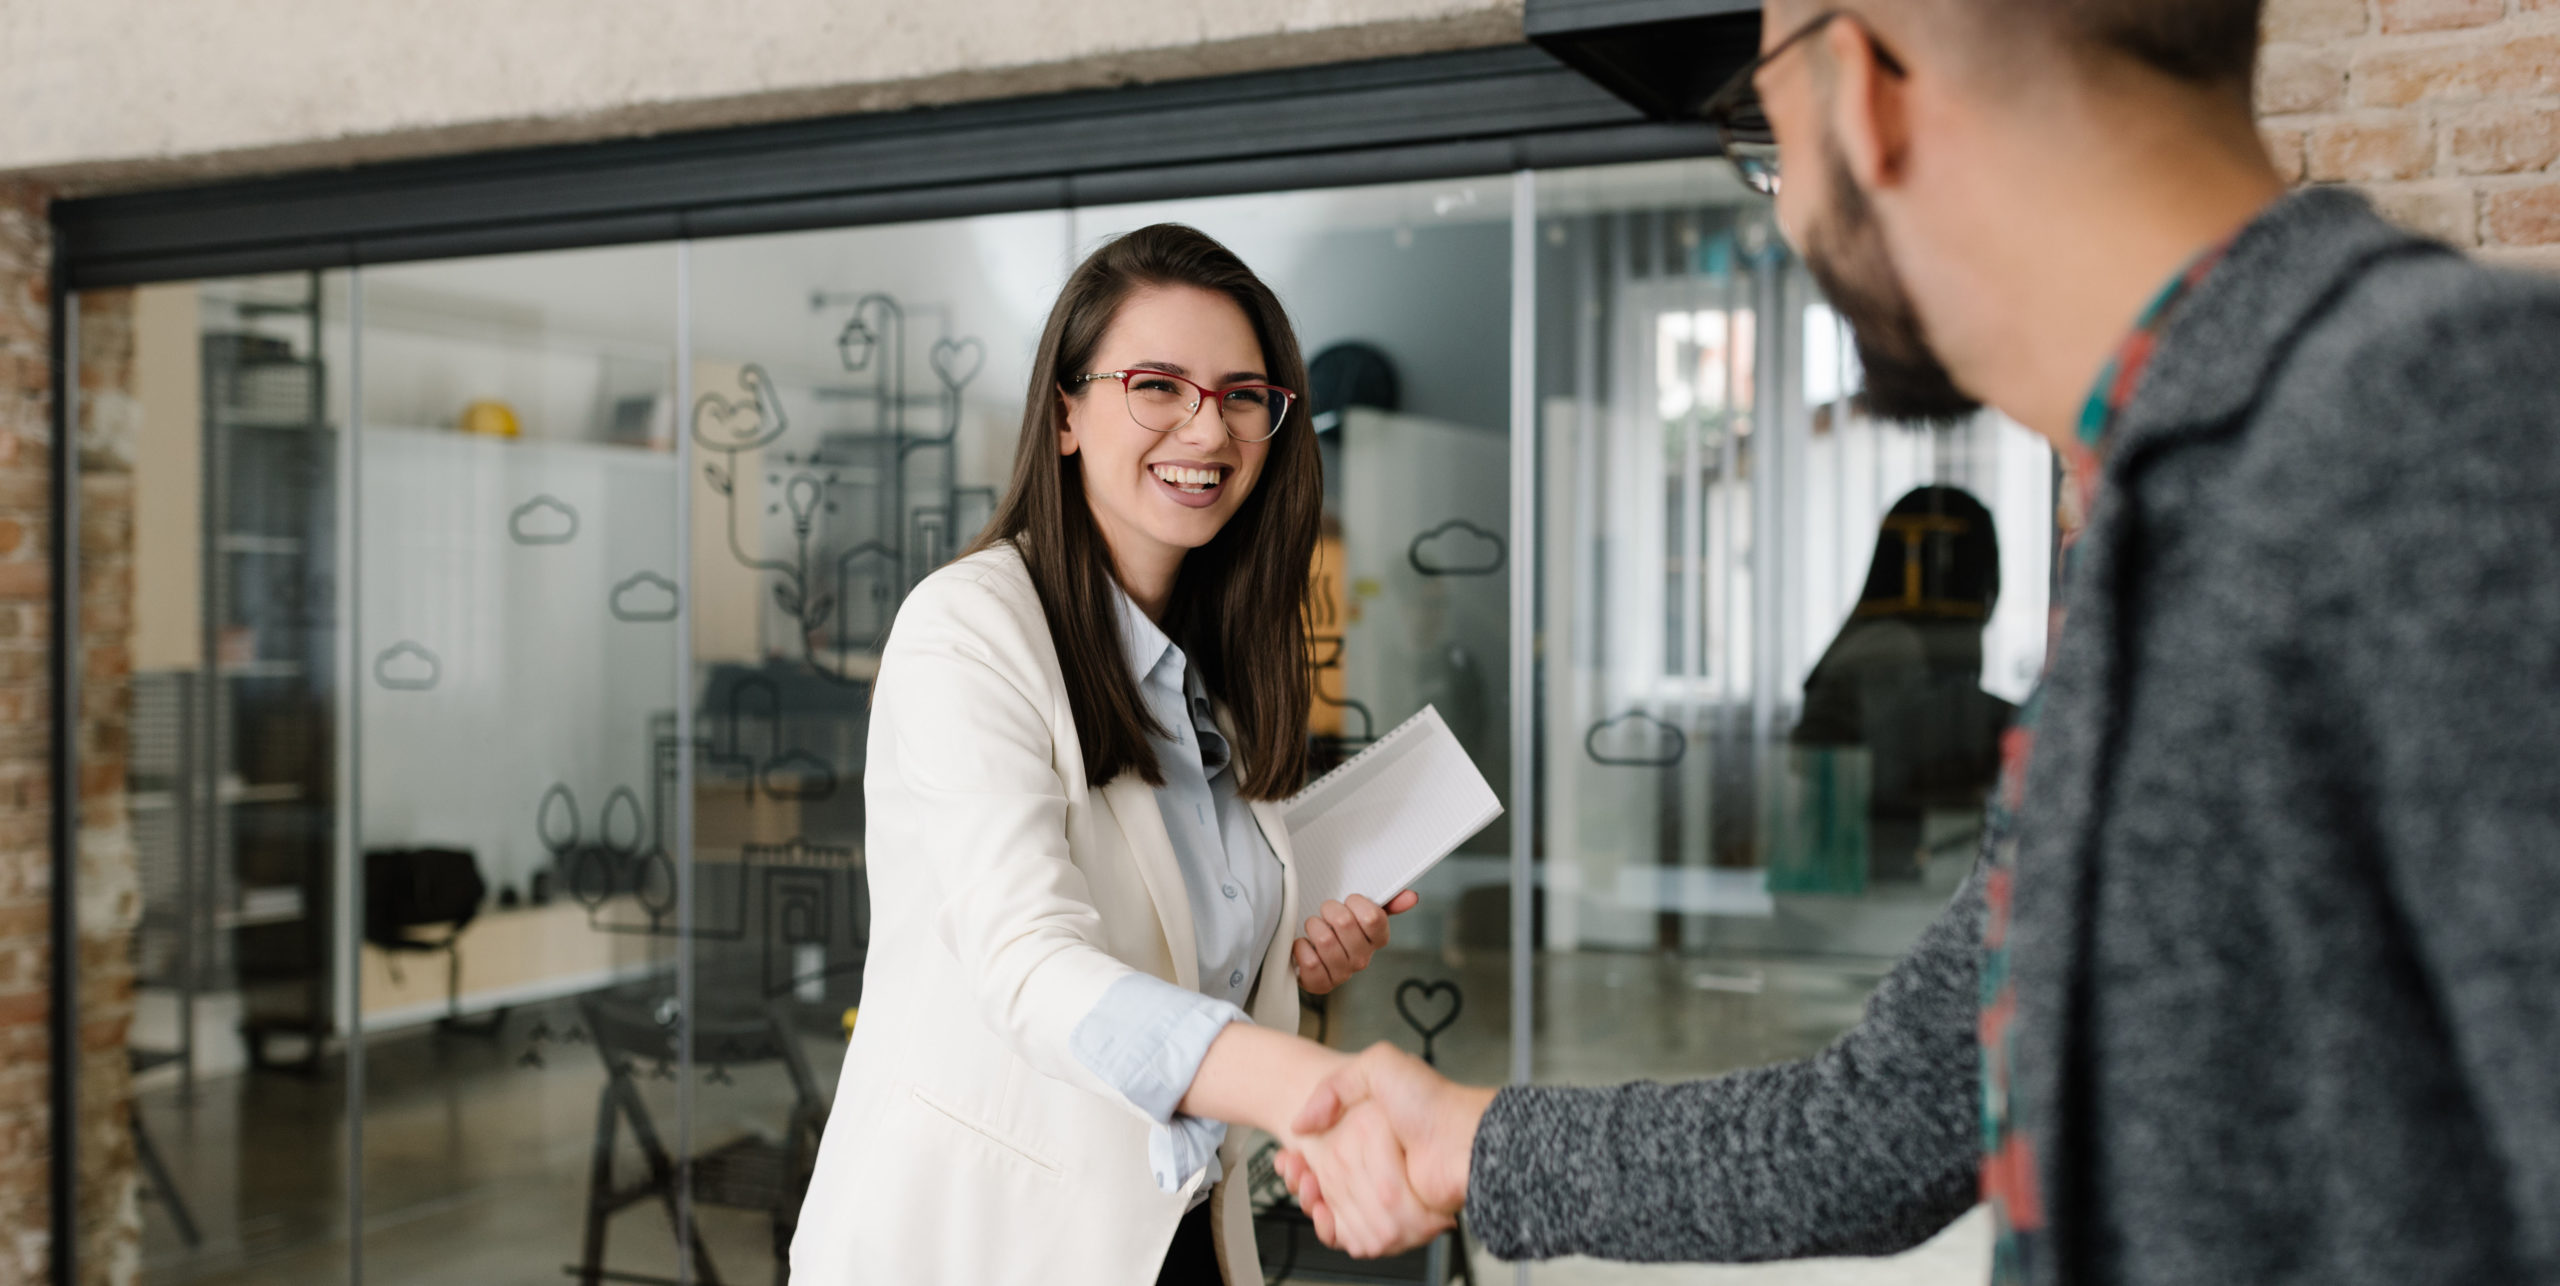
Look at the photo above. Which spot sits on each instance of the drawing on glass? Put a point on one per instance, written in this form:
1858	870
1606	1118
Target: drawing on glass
1635	740
626	864
871	509
407	666
645	598
1457	548
543	520
1325	642
782	773
1429	993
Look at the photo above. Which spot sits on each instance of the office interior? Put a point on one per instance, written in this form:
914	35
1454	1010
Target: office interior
504	629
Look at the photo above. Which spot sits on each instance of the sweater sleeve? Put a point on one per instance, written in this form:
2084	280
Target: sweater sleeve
1869	1147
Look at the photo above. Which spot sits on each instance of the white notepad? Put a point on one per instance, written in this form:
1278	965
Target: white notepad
1389	813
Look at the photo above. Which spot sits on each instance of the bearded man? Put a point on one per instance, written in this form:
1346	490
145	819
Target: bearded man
2259	977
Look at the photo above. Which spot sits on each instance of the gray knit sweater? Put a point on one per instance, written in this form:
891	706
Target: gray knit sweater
2288	918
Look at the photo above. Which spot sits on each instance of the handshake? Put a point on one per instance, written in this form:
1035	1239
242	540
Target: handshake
1378	1155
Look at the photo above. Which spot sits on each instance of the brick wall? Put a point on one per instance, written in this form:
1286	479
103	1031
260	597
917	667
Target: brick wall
108	903
110	875
2446	111
26	869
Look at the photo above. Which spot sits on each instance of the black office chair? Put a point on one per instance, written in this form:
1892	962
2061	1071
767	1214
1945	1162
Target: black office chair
636	1035
437	889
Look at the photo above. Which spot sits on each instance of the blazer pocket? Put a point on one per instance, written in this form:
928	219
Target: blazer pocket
986	1134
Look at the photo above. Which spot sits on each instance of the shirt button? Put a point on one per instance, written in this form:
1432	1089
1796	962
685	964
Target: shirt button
1236	979
1228	889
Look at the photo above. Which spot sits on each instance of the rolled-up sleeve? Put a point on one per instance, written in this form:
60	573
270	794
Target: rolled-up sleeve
1146	1038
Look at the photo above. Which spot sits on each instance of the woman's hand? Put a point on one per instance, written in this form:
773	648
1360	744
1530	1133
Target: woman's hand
1367	1207
1341	937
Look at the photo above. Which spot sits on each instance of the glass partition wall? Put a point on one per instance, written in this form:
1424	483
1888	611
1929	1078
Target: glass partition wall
488	780
1778	640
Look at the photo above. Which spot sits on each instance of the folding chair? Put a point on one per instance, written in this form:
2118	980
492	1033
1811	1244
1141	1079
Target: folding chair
745	1173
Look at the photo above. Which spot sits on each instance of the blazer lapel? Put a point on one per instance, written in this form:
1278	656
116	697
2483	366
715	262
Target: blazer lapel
1276	962
1133	802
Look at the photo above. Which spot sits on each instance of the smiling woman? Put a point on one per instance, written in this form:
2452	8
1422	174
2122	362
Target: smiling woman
1086	957
1147	311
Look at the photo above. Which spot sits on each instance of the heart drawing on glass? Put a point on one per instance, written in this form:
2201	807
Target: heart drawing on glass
1429	992
957	361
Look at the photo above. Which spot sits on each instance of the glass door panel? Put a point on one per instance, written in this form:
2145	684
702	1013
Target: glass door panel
855	400
1401	297
1779	639
210	904
517	633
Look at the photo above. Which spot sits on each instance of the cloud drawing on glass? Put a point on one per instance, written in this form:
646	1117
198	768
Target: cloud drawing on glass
646	598
1457	548
543	520
1635	740
407	667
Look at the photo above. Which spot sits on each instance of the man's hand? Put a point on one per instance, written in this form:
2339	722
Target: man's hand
1340	938
1434	1121
1374	1212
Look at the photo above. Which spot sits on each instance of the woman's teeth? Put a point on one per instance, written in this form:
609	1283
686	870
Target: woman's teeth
1190	481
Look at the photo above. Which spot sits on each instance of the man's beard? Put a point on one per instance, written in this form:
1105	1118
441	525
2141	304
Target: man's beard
1846	252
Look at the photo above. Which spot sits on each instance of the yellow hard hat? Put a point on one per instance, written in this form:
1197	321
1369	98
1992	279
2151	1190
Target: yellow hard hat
490	419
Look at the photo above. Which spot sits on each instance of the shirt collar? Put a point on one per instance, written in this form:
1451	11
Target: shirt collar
2117	381
2123	371
1146	645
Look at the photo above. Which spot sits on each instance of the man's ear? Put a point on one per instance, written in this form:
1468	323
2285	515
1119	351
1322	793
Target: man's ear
1870	107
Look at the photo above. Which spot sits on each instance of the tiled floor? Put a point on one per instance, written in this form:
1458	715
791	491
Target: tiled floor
475	1160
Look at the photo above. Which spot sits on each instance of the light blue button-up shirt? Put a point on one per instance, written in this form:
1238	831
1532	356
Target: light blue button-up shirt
1147	1037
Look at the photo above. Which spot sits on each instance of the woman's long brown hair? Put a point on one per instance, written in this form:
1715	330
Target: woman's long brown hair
1238	605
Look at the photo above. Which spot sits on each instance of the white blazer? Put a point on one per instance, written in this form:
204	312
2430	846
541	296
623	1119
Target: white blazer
967	1144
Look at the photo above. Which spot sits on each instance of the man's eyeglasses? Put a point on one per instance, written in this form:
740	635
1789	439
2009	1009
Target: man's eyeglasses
1164	401
1742	121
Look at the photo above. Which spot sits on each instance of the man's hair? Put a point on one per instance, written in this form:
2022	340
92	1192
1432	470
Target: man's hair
2210	43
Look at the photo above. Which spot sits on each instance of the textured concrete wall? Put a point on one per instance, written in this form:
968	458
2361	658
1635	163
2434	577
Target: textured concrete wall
97	93
2446	111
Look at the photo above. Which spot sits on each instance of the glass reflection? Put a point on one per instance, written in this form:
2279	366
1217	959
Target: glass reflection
855	396
1401	295
1775	635
1779	642
211	416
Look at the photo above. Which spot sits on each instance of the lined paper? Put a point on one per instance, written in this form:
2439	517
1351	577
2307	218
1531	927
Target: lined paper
1375	824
